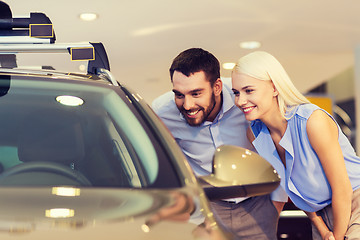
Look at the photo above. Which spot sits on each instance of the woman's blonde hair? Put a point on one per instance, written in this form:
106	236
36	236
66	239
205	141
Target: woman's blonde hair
263	66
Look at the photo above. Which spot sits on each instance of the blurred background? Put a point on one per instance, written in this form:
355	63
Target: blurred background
316	41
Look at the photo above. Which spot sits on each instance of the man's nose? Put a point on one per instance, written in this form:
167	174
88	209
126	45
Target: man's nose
188	103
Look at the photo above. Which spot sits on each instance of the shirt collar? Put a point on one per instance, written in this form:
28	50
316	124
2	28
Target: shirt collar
266	148
227	103
286	142
228	100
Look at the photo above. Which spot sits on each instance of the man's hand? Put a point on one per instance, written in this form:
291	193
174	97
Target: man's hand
181	209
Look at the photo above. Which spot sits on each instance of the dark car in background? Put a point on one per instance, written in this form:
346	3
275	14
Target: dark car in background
84	157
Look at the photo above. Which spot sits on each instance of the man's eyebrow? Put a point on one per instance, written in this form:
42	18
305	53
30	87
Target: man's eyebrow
176	91
192	91
196	90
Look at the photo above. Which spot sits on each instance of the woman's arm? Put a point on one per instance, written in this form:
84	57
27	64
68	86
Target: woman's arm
324	231
323	136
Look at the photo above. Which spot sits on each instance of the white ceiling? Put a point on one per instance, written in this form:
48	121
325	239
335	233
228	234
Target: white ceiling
314	40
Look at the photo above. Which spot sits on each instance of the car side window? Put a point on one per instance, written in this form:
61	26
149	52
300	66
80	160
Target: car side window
8	157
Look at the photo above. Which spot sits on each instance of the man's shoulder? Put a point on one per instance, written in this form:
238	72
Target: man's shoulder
163	102
227	89
164	105
226	83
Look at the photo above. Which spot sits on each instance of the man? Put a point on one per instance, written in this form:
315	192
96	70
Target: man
201	115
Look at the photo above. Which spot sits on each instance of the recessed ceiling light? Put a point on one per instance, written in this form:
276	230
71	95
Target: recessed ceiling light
66	191
69	100
88	16
59	213
228	66
250	45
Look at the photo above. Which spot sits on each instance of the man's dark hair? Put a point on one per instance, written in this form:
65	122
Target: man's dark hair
194	60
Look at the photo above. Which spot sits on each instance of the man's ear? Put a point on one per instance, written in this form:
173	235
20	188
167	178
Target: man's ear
217	88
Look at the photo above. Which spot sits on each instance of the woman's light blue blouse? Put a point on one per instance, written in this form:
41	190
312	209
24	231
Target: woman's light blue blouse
303	178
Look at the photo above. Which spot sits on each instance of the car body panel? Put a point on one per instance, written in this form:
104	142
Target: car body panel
116	212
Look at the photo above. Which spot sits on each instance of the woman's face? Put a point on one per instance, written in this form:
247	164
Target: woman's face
256	98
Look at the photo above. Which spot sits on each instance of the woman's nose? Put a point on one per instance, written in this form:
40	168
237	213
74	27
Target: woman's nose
241	100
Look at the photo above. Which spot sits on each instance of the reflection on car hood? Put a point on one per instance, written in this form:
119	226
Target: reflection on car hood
98	213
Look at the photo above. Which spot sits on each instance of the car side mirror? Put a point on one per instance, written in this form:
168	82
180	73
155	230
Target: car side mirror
239	172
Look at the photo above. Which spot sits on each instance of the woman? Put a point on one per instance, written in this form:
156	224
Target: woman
318	167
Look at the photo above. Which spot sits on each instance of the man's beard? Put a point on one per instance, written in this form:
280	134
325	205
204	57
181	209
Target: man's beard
195	122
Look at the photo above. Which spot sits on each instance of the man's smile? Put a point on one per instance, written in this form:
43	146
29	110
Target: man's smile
192	113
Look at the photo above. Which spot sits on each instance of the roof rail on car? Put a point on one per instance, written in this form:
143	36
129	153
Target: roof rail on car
108	75
37	28
95	53
36	35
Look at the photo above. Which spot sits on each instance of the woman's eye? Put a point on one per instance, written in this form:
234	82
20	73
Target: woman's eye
249	90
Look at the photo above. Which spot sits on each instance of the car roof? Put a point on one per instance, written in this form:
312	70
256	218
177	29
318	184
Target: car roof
58	75
36	34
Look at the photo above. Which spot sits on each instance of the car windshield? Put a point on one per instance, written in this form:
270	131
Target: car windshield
70	132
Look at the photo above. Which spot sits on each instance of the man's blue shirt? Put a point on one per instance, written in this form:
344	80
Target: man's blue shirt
199	142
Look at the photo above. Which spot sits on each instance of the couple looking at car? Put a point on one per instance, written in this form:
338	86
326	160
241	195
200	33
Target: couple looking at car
262	110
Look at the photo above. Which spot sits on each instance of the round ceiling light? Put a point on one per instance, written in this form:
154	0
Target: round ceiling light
228	66
88	16
250	45
69	100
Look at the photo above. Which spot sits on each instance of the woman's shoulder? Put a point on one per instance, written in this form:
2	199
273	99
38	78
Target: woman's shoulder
305	110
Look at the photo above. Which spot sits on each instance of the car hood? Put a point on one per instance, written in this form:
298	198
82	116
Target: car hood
87	213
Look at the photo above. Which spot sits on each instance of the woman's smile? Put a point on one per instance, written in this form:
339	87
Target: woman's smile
247	109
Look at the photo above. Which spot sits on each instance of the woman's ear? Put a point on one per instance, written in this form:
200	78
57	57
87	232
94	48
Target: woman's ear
275	93
217	87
